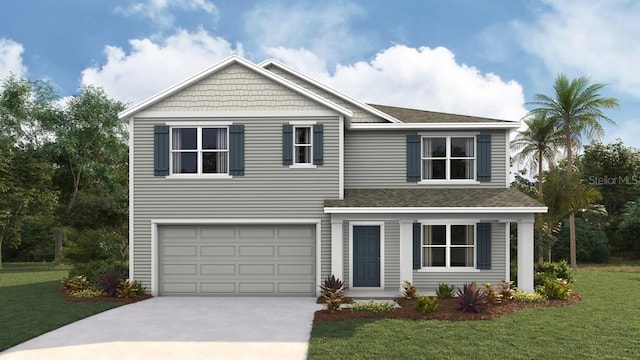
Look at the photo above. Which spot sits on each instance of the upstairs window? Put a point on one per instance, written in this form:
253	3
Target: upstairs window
302	145
199	150
448	158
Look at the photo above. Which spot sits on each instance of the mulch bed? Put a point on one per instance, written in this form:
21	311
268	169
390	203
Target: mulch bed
446	311
67	297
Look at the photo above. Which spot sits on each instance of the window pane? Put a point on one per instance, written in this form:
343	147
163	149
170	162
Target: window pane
303	135
462	169
433	256
433	169
184	139
434	147
214	139
303	154
185	163
214	162
462	257
461	235
435	235
462	147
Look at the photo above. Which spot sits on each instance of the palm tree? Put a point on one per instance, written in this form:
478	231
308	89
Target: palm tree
577	111
538	143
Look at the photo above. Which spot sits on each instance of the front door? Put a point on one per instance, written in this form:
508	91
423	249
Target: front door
366	256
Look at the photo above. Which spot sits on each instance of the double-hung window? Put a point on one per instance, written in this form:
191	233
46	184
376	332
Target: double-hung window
448	246
199	150
302	145
448	158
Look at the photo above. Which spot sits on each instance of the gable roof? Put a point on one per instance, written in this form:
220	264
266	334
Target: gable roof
366	107
233	59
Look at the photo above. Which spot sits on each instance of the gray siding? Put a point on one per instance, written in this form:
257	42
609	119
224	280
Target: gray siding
359	115
377	159
428	282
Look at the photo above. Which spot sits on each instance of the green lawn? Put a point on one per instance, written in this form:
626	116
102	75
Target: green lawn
30	304
605	325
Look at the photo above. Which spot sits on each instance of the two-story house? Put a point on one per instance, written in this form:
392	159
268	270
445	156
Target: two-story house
253	179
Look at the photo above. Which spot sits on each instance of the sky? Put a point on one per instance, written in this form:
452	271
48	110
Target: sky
484	58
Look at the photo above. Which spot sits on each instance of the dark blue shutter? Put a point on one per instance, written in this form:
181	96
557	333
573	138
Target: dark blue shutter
413	158
417	244
318	144
161	150
236	150
483	239
484	157
287	144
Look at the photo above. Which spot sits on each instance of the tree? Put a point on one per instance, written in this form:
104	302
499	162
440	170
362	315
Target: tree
537	144
576	108
630	225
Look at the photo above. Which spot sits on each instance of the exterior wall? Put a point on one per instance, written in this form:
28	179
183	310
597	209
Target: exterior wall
236	88
377	159
359	115
428	282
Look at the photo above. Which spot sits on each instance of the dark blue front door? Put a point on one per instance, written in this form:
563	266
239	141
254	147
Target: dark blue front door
366	256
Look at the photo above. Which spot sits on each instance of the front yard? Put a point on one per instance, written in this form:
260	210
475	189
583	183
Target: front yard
604	325
30	304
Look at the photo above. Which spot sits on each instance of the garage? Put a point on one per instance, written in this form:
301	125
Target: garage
253	260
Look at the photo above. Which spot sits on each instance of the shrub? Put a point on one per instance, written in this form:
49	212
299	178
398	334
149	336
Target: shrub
552	270
374	306
332	291
75	283
470	299
492	297
592	245
427	304
445	291
86	293
93	270
506	290
130	288
409	291
110	281
555	289
528	297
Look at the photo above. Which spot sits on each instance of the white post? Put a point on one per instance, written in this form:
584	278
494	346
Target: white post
337	249
525	254
406	251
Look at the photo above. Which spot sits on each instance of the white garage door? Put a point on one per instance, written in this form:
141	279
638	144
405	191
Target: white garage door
237	260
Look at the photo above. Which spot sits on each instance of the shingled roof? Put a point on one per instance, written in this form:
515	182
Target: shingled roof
422	116
434	198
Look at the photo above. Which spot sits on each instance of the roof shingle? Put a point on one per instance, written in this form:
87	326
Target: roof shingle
422	116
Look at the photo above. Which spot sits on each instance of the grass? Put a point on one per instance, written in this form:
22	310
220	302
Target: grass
605	325
30	304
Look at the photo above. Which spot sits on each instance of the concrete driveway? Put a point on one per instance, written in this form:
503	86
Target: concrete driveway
182	328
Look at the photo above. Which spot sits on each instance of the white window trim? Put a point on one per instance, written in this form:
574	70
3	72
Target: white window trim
448	158
199	152
366	223
449	268
295	146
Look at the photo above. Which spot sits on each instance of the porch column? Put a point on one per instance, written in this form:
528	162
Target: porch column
406	251
525	254
337	248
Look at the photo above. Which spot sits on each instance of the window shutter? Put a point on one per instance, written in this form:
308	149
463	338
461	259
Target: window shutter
287	144
161	150
417	242
318	144
484	245
413	158
484	158
236	150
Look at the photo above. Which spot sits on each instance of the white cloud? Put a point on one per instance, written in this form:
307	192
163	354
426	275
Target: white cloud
323	28
429	79
598	38
11	58
152	66
159	11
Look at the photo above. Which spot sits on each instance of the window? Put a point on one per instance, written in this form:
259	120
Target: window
302	145
448	158
199	150
448	246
